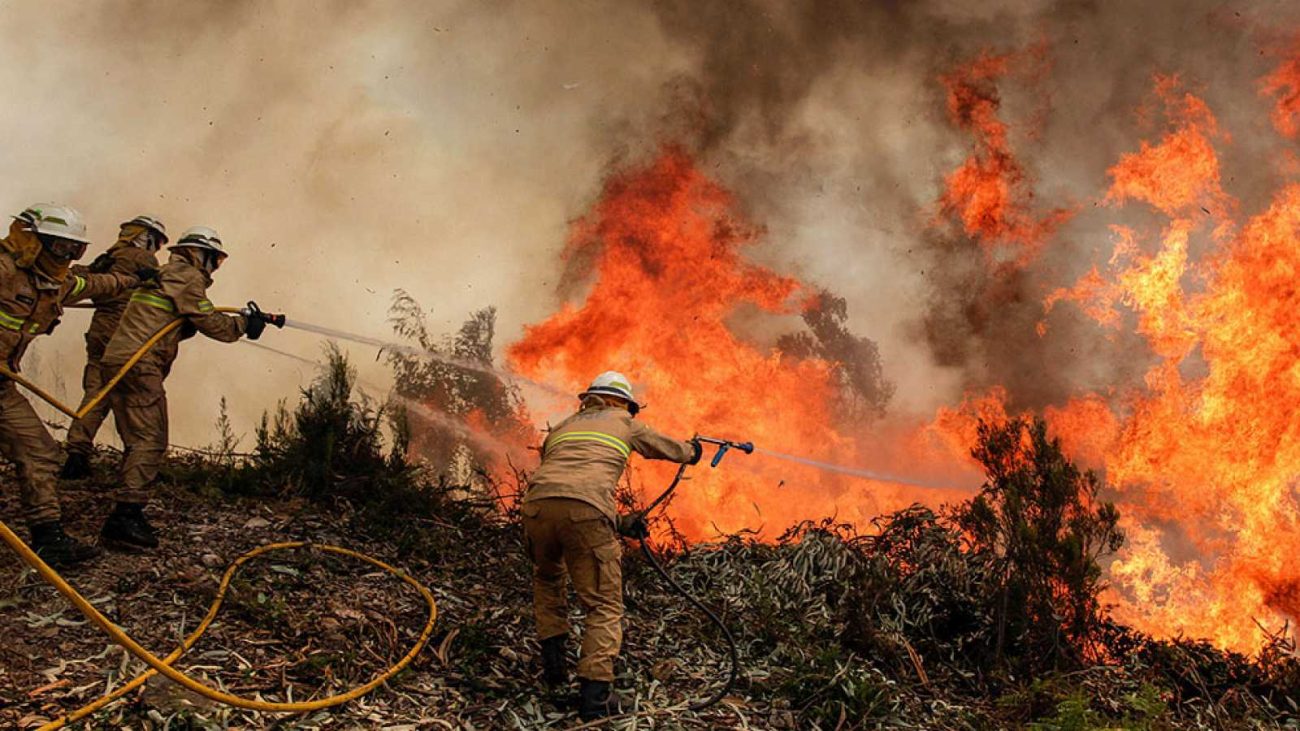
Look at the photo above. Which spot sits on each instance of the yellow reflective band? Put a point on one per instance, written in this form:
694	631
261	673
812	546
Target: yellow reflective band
206	306
153	301
9	322
78	285
594	436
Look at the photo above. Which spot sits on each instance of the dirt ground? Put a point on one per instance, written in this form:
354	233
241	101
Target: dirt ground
296	626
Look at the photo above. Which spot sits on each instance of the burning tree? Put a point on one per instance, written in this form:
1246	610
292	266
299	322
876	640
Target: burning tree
864	391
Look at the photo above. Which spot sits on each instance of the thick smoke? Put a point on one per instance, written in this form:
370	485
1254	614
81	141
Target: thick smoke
342	149
346	149
830	118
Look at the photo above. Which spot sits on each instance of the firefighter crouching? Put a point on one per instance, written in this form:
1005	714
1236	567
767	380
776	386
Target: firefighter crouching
571	529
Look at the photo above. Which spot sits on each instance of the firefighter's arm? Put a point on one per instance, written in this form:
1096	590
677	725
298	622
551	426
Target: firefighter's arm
652	445
203	315
192	303
92	286
226	328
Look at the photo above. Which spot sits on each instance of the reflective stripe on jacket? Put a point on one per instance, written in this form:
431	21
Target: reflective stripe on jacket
27	311
182	291
584	457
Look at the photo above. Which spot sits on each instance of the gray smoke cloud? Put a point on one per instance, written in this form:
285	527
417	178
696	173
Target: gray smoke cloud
346	149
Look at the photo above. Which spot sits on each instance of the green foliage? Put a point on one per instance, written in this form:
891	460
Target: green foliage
1072	714
330	445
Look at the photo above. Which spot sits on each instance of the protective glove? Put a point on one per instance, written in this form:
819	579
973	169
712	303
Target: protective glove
146	274
699	451
101	264
253	326
634	526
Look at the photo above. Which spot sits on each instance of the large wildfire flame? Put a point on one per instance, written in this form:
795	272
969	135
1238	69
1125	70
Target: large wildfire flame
1203	457
666	243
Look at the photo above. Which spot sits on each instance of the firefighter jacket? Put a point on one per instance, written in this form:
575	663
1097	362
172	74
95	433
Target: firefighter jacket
124	258
585	455
181	292
27	310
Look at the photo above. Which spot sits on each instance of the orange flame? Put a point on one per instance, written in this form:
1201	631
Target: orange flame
990	193
1206	465
1204	456
666	244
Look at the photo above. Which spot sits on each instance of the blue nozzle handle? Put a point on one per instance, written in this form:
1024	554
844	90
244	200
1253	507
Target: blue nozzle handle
723	446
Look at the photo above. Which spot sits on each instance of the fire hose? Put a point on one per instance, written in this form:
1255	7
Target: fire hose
732	651
163	666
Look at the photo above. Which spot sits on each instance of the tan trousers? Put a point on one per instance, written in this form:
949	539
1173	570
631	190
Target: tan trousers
81	435
566	537
139	406
26	442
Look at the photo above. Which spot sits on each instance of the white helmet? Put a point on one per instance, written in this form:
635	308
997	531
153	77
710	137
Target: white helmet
200	237
52	219
151	223
611	383
208	244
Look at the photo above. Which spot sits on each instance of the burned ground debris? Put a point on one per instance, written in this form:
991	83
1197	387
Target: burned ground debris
945	618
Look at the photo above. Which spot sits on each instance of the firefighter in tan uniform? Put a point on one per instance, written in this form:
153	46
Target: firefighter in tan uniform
35	284
136	248
571	529
139	402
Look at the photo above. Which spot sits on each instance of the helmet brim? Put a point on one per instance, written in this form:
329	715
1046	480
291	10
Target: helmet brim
37	227
610	392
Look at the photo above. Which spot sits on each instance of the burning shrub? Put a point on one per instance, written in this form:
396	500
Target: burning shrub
1038	520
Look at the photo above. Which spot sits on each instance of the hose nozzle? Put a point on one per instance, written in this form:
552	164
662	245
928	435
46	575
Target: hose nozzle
252	310
723	446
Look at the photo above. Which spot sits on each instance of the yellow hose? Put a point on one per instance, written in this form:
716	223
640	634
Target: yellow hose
103	392
163	666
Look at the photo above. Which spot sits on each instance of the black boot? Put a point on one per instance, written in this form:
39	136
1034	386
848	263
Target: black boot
555	662
76	467
58	549
128	528
596	700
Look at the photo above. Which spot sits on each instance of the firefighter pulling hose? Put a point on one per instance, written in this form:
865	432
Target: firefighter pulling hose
163	666
36	283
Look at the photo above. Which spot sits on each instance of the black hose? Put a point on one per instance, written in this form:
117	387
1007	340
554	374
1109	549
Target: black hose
726	633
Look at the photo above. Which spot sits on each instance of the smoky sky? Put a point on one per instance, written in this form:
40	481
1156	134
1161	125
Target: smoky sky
348	149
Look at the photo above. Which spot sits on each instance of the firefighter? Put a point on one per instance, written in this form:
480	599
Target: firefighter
35	284
137	245
139	402
571	528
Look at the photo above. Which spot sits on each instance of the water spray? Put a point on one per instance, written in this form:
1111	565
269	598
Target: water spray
724	445
850	471
407	349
